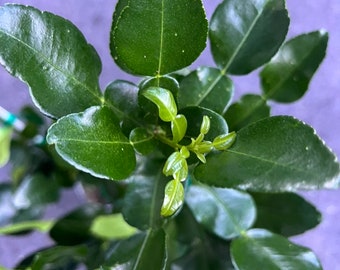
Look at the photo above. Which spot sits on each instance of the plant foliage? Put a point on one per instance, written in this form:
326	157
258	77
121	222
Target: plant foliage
183	174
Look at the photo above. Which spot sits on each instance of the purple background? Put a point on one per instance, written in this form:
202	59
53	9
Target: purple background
319	108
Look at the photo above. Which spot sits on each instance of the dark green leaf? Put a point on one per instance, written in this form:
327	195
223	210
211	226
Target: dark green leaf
93	142
260	249
246	34
5	143
194	115
112	227
286	77
143	142
59	257
157	37
206	87
165	82
224	212
34	191
274	154
249	109
74	228
52	56
285	213
121	97
144	196
145	251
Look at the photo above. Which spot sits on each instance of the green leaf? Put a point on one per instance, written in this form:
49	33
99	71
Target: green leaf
260	249
194	116
74	228
5	144
143	142
173	198
149	37
140	252
52	56
206	87
39	225
179	127
286	77
93	142
250	108
225	212
111	227
34	191
122	97
144	196
285	213
246	34
164	100
60	257
274	154
165	82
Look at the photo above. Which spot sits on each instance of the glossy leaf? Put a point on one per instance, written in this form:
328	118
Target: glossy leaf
285	213
75	227
225	141
140	252
194	116
165	82
144	196
179	127
39	225
206	87
143	142
5	144
173	198
274	154
147	39
112	227
286	77
52	56
261	249
164	100
225	212
34	191
250	108
92	142
121	97
246	34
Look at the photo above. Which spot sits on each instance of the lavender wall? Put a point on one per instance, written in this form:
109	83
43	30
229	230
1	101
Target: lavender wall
320	107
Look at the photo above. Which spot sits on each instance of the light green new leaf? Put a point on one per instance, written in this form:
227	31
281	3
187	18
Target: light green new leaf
156	37
260	249
274	154
5	144
93	142
52	56
246	34
286	77
39	225
206	87
164	100
224	212
173	198
112	227
179	127
247	110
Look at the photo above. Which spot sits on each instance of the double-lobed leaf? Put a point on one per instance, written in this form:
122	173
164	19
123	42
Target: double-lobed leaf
52	56
259	249
225	212
286	77
206	87
246	34
156	37
93	142
274	154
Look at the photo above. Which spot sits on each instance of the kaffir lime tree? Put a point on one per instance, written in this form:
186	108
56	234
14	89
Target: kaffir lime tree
183	177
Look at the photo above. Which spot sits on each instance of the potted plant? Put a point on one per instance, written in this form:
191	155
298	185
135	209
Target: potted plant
181	177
